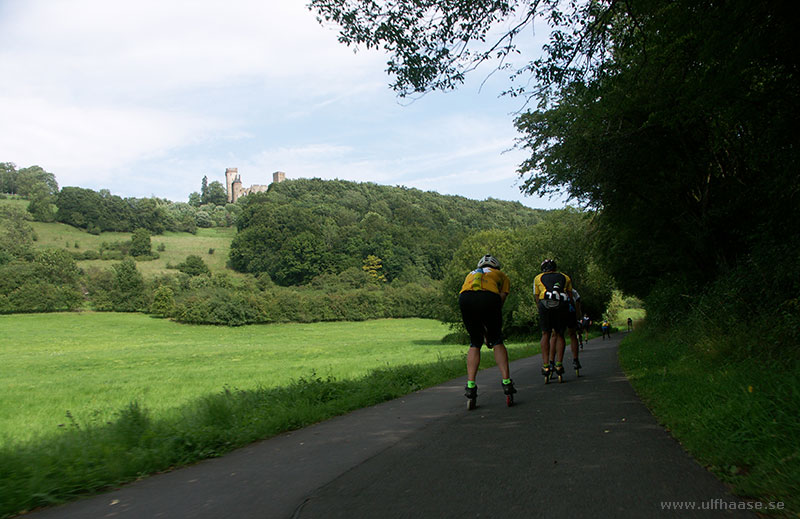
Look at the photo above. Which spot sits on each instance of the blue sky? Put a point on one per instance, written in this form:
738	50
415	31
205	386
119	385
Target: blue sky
145	98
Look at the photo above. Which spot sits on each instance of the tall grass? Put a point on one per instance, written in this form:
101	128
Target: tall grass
739	417
135	395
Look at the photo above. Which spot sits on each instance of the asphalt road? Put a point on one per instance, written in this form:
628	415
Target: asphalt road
584	448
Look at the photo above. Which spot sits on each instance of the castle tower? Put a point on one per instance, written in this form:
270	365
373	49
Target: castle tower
278	176
236	189
230	175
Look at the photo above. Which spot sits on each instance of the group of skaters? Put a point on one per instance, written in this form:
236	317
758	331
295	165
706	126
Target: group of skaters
481	300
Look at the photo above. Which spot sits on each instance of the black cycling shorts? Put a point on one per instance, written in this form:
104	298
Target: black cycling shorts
572	320
553	318
482	316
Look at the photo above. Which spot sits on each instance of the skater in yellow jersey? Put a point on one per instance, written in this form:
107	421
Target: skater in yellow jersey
481	300
552	291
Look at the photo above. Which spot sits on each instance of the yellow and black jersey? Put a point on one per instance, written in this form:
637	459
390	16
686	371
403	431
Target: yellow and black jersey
552	285
487	279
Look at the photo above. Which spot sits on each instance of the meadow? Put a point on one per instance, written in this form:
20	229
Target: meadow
176	245
212	244
91	365
90	400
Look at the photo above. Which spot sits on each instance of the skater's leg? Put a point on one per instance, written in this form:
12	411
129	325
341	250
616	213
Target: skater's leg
473	361
560	345
501	359
573	342
545	346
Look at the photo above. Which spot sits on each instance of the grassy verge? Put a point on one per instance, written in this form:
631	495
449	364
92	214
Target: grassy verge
266	380
738	418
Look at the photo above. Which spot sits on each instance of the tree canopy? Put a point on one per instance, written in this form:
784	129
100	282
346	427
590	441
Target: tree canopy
301	229
675	120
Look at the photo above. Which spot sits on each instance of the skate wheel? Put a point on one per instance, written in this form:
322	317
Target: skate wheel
560	379
577	373
471	404
509	400
547	379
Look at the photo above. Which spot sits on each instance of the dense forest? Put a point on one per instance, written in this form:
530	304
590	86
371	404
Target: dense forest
675	121
300	229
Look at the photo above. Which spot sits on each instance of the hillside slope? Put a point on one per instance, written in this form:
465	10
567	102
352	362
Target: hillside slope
300	229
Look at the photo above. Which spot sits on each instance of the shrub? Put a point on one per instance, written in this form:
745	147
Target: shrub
163	301
194	266
140	243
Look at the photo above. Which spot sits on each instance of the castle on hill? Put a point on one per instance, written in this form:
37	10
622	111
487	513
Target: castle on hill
233	184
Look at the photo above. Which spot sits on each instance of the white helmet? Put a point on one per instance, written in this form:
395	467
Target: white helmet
488	261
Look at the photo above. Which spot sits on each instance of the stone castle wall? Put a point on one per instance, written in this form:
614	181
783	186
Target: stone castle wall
233	183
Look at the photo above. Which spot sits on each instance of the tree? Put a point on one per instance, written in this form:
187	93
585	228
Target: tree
204	190
676	121
40	205
34	179
372	266
140	243
8	177
216	194
128	288
16	235
194	265
195	199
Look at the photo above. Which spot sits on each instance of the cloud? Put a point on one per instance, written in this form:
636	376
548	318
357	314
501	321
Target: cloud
147	97
75	140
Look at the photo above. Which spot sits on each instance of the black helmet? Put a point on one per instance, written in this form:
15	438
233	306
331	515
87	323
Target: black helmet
549	265
488	261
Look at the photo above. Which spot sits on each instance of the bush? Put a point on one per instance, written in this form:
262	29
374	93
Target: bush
194	266
140	243
163	301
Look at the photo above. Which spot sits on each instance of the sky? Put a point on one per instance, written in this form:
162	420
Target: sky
145	98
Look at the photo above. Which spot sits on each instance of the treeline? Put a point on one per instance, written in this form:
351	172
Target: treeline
100	211
48	280
301	229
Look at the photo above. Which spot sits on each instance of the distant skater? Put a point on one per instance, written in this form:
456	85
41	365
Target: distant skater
552	290
630	324
606	328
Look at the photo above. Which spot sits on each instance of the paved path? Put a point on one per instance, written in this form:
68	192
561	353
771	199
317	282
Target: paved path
584	448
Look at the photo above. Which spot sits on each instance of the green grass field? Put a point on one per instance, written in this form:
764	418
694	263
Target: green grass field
89	400
94	364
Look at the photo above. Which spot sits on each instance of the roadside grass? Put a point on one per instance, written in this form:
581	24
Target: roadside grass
136	395
738	418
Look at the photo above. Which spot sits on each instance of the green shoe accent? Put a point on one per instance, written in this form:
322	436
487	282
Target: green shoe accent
506	381
471	383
